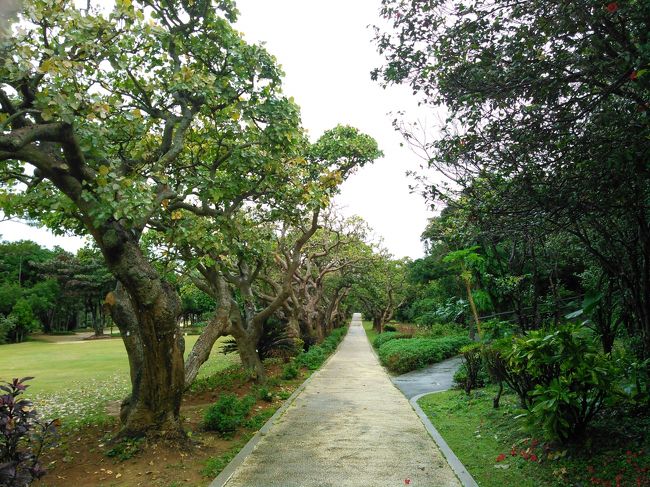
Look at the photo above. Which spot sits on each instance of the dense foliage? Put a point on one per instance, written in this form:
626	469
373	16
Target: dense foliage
542	245
50	290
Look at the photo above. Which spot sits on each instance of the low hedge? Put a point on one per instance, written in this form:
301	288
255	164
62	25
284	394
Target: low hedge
386	337
317	354
409	354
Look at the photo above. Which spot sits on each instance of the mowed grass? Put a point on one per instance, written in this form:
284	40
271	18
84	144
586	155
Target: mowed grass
74	379
55	365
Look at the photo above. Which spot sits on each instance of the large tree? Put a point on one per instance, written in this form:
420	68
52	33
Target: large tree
109	108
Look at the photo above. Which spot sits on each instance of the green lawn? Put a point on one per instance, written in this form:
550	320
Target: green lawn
73	379
498	452
367	325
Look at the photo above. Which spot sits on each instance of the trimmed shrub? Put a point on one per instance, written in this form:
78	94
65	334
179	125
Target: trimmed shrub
317	354
386	337
413	353
228	413
389	328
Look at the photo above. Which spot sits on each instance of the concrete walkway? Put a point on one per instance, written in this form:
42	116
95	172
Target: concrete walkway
349	427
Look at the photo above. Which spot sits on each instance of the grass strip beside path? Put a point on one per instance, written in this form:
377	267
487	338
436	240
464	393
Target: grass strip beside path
498	452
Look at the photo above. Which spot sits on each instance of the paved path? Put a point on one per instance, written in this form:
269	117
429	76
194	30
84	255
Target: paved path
436	377
350	427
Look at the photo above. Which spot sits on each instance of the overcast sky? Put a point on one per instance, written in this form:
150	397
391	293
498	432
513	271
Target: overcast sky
326	51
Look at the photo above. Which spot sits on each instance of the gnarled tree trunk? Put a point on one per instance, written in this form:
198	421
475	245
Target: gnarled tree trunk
146	309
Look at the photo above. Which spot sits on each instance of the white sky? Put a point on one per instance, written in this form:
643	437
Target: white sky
326	51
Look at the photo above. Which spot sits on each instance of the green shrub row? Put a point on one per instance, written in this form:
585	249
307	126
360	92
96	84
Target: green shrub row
317	354
386	337
409	354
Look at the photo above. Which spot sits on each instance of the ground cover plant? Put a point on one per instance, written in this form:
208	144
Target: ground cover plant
499	452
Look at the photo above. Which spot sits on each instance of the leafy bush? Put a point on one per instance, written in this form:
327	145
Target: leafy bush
259	419
572	378
22	436
636	380
317	354
227	378
264	394
500	370
228	413
413	353
389	328
386	337
473	364
496	329
445	329
6	325
289	371
276	341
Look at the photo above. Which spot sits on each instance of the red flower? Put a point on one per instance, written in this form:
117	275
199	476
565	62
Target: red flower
633	75
501	457
612	7
513	452
533	458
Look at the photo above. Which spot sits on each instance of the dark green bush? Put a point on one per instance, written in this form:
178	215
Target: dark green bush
389	328
500	371
386	337
264	394
228	413
289	371
443	330
573	378
317	354
276	341
473	364
413	353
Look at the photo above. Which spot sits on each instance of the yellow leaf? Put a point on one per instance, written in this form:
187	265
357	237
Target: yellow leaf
165	204
177	215
104	170
235	116
137	113
47	66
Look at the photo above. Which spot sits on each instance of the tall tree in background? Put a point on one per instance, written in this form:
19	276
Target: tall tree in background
549	108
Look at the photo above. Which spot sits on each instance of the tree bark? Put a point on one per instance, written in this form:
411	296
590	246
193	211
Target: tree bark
145	309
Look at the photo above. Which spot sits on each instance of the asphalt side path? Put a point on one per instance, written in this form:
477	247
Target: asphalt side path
436	377
349	427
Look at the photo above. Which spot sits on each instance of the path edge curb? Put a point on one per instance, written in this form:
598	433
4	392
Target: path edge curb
221	479
454	462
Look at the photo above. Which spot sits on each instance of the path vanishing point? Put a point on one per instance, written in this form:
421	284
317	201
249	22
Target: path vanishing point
351	427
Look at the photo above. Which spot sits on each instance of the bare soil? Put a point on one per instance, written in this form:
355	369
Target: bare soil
81	457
